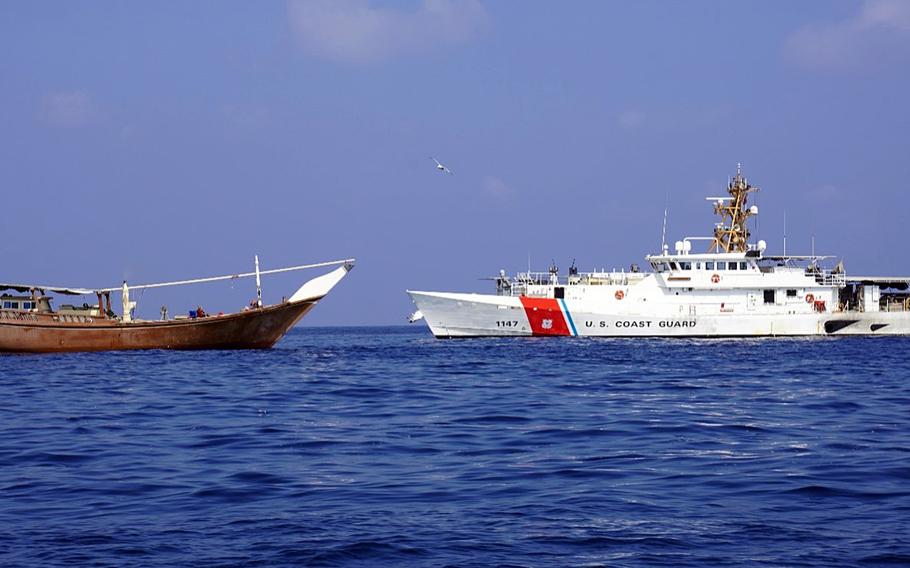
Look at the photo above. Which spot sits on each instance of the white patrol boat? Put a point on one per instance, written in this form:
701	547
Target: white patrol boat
734	289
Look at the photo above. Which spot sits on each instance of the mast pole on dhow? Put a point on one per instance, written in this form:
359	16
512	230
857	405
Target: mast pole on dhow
258	284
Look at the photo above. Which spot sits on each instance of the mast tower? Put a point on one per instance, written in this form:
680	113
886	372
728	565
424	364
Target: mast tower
732	234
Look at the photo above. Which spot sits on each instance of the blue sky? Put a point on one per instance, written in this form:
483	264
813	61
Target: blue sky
159	141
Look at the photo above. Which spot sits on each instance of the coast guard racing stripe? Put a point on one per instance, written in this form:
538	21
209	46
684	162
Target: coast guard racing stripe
545	316
568	316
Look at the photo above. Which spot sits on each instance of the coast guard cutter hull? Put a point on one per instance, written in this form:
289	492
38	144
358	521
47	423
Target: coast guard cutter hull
478	315
732	290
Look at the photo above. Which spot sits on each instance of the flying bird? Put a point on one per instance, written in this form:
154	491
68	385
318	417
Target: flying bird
441	167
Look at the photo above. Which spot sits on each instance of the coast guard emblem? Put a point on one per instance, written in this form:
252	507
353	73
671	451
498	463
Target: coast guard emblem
546	324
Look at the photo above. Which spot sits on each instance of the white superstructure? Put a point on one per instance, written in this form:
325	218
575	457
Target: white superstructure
731	290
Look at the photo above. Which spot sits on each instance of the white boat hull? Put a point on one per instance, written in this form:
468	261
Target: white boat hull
479	315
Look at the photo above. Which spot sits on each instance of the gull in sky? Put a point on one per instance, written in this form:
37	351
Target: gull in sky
441	167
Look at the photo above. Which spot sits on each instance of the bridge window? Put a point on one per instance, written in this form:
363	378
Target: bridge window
791	293
685	265
674	266
721	265
769	296
709	265
732	266
744	266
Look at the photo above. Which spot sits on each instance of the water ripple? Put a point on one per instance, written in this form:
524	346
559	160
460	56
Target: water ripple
365	447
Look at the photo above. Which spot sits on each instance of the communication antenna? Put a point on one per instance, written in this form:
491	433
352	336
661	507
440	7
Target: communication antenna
785	233
813	246
663	234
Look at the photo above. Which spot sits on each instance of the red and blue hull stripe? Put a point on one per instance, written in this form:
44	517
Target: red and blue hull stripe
548	316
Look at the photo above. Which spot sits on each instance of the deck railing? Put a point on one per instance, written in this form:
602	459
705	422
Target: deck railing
828	278
520	284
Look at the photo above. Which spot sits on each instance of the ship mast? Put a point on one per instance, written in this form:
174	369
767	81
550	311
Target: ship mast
731	234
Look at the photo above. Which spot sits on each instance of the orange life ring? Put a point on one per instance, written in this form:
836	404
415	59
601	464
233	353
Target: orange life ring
619	294
715	278
810	298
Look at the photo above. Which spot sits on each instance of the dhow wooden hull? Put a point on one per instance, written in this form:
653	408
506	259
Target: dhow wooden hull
55	333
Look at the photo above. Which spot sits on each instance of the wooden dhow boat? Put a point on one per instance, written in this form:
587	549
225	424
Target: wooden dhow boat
28	323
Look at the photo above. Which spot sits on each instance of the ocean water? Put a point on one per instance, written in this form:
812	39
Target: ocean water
386	447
